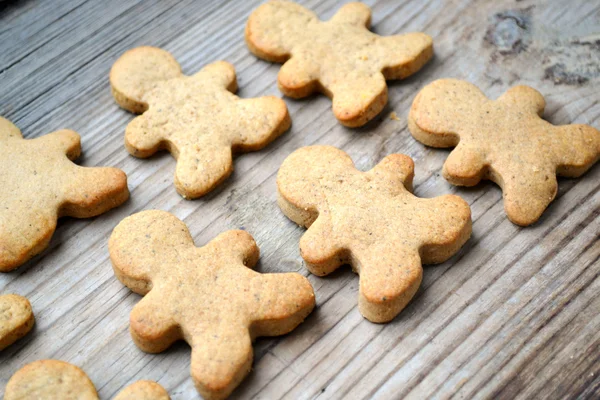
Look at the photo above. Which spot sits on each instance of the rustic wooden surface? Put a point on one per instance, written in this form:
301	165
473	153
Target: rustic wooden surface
514	314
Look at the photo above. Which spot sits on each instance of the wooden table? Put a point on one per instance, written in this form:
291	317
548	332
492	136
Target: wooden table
514	314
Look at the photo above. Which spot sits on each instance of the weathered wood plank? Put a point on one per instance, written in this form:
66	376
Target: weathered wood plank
515	314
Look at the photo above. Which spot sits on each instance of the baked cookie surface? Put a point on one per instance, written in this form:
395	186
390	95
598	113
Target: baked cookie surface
40	184
197	118
340	57
371	221
503	140
143	390
50	379
16	319
208	296
54	379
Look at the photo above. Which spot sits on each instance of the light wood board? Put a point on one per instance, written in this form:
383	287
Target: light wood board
514	315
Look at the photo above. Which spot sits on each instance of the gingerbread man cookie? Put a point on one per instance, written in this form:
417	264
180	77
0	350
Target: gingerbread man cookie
40	184
371	221
53	379
197	118
208	296
16	319
340	58
503	140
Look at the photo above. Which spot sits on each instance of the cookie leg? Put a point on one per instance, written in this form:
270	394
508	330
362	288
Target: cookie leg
202	167
298	78
20	241
527	195
152	327
389	278
465	166
358	98
220	360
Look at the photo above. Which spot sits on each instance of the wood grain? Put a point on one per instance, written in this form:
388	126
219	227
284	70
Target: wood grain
514	315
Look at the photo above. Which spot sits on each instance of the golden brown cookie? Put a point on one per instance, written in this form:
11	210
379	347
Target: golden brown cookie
197	118
53	380
50	380
208	296
503	140
340	58
16	319
371	221
143	390
40	183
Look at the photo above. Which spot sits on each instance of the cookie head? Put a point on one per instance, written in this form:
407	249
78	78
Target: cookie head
272	27
50	379
442	107
137	72
208	296
340	57
371	221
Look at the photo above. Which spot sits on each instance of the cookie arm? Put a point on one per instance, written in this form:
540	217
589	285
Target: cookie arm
279	302
258	122
401	56
579	150
235	247
319	247
93	191
446	227
152	325
395	171
220	73
358	14
143	137
525	99
65	140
